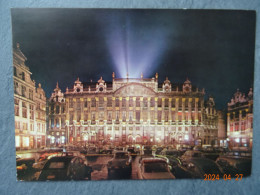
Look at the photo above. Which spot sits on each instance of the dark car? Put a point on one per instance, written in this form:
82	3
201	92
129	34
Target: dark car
24	168
120	164
236	162
197	165
174	161
154	168
65	168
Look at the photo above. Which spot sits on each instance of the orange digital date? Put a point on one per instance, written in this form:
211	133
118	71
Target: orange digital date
214	177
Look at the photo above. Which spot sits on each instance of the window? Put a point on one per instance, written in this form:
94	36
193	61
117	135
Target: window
93	116
62	123
71	103
152	116
117	102
16	101
187	104
138	102
145	102
101	116
179	116
15	87
166	103
137	116
31	112
159	102
124	103
78	116
16	110
166	113
101	102
173	115
62	109
57	122
93	102
173	102
124	116
131	116
23	91
23	76
24	112
78	104
131	103
86	103
109	117
15	71
57	109
243	113
117	115
85	115
145	115
30	94
152	102
71	117
109	102
159	116
180	104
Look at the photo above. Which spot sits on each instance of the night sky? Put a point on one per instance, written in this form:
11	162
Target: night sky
213	48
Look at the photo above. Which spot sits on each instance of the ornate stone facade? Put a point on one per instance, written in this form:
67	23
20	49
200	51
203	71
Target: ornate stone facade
132	111
29	104
240	120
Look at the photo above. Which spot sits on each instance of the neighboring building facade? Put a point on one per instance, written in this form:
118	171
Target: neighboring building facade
131	111
29	104
240	120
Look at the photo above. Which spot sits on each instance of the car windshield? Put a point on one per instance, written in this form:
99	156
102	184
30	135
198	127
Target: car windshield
155	167
121	155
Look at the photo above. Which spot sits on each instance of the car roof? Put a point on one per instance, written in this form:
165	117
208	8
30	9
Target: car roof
153	160
61	158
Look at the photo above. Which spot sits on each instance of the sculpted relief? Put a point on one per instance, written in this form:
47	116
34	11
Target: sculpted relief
134	90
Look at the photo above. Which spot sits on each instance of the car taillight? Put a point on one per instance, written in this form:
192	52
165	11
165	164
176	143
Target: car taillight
19	167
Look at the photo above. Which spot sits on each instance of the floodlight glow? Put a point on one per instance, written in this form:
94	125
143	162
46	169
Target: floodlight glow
135	48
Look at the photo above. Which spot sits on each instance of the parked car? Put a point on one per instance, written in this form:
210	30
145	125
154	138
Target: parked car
236	162
121	163
154	168
65	168
197	165
173	158
24	168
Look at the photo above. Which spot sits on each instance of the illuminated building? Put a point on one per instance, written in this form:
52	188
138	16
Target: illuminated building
240	120
130	111
29	104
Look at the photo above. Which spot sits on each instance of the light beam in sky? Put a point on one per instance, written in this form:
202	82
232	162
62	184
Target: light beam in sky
135	46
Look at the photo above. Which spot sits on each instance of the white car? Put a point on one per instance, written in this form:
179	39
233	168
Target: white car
154	168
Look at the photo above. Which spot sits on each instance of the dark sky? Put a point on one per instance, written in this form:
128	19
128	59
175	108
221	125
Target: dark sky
213	48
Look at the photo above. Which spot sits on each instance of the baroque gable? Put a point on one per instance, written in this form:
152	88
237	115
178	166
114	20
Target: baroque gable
134	89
